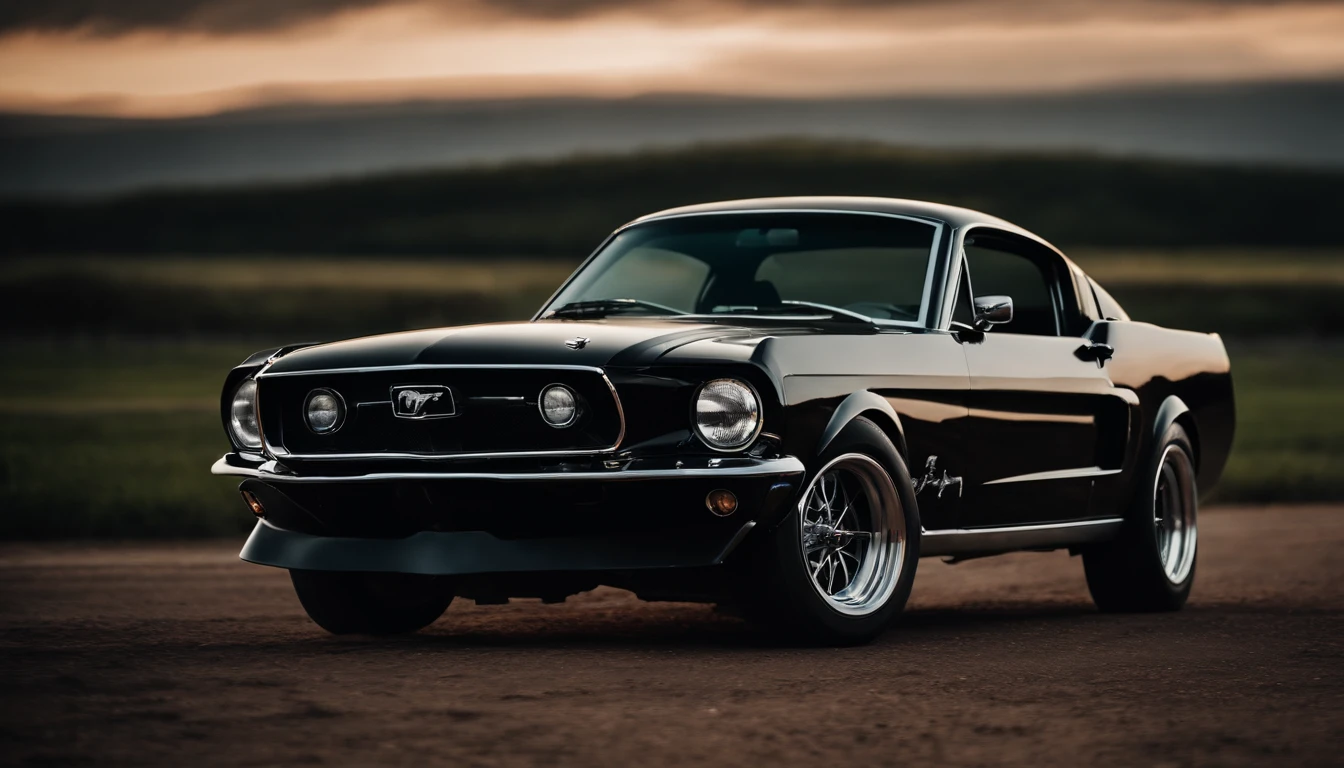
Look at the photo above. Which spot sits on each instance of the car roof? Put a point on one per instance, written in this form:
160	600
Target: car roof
951	214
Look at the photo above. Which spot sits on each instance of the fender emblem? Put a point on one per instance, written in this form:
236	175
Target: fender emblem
931	479
578	342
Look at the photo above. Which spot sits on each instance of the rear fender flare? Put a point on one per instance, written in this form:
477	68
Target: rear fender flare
1174	410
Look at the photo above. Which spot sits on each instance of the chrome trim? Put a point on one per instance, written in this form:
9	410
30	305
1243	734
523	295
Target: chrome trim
961	541
541	399
926	297
620	413
760	416
765	467
939	226
429	366
991	310
1057	474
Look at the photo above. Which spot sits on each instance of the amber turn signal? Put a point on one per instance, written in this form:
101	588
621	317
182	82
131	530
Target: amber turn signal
722	503
254	504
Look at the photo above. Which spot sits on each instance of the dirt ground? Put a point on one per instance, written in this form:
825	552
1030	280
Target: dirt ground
179	654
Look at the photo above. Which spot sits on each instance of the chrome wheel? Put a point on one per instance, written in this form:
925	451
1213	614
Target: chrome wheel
853	534
1175	507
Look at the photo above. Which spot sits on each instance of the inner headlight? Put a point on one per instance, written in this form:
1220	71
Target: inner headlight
727	414
559	405
243	415
324	411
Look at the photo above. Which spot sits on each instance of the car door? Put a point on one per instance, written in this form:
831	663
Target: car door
1045	421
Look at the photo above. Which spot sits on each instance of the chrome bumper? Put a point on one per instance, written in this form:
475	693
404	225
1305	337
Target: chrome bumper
269	471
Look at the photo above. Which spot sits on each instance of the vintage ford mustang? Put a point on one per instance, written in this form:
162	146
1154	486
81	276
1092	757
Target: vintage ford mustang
777	404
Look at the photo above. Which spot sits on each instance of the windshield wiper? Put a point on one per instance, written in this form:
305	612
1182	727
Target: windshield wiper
837	311
788	308
604	307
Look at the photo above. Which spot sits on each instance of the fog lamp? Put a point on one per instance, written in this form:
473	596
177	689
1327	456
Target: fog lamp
722	503
559	405
324	411
254	504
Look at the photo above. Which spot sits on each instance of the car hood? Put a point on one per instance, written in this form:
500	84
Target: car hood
622	343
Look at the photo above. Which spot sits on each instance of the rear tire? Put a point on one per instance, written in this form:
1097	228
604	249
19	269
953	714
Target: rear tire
1151	565
347	603
839	568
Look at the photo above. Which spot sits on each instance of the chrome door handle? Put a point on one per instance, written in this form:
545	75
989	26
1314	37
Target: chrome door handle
1096	352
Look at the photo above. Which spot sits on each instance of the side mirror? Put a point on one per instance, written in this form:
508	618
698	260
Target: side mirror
992	310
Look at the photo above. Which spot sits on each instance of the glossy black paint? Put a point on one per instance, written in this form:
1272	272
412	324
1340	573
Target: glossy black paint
1040	430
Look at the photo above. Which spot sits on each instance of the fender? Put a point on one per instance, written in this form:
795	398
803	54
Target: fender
1172	409
856	405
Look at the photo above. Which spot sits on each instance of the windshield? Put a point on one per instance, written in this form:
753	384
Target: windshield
840	265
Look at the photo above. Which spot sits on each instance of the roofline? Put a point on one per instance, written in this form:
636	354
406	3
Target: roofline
956	218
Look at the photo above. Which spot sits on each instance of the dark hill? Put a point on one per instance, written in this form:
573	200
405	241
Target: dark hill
567	206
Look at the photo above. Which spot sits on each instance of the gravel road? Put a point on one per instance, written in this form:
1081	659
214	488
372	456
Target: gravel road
178	654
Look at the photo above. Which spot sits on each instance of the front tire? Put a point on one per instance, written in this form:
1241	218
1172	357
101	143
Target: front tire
1151	565
839	567
347	603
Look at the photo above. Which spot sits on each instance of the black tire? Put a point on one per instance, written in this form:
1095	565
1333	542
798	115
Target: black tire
345	603
777	591
1136	573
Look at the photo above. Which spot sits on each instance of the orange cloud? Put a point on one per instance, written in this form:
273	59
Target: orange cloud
355	50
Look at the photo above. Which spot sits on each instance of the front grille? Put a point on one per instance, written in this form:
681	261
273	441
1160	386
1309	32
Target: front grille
495	412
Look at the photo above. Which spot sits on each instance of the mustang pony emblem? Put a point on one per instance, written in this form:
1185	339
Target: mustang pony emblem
415	402
411	401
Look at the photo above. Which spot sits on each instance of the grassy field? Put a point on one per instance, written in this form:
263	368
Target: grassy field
284	298
114	439
1290	424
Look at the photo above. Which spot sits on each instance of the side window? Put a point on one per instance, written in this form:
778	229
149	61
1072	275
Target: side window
999	269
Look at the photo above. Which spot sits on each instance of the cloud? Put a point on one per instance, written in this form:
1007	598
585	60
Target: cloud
226	17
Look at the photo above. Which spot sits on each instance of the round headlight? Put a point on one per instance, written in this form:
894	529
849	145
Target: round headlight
243	415
559	405
324	411
727	414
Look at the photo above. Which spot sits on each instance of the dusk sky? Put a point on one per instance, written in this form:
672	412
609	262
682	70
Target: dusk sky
174	57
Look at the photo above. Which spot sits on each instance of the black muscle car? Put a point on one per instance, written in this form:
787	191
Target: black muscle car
778	404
